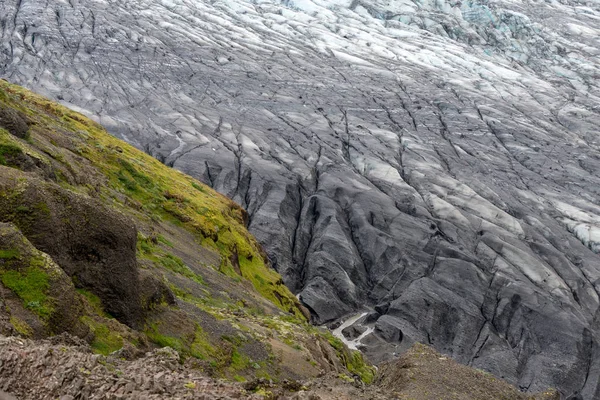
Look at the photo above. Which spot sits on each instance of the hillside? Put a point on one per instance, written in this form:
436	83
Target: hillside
71	370
104	243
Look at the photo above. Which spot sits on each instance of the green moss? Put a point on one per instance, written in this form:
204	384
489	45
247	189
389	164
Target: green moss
176	265
164	340
334	342
3	95
224	359
264	375
145	247
42	208
201	347
22	209
345	378
236	340
163	240
105	340
95	302
190	385
138	177
173	263
352	360
209	304
356	364
129	184
238	361
9	254
31	285
8	150
21	326
269	284
198	187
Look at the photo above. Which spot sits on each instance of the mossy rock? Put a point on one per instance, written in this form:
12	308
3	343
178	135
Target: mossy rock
93	244
14	122
48	299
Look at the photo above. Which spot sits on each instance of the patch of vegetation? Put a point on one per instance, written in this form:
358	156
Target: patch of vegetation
176	265
198	187
42	208
137	176
105	340
145	246
190	385
128	184
173	263
238	361
21	326
9	254
163	240
213	306
225	358
235	340
164	340
31	285
345	378
95	302
8	150
352	360
269	284
357	365
201	347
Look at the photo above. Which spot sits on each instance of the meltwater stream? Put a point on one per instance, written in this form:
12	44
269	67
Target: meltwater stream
352	344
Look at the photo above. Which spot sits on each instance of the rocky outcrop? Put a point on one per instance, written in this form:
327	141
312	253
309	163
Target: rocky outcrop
442	158
40	296
94	245
13	122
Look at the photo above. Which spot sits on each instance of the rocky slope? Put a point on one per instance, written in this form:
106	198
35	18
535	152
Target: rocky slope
436	161
104	243
63	368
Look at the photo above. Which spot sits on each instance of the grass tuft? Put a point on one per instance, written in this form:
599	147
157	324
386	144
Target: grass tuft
8	150
105	340
21	326
31	286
